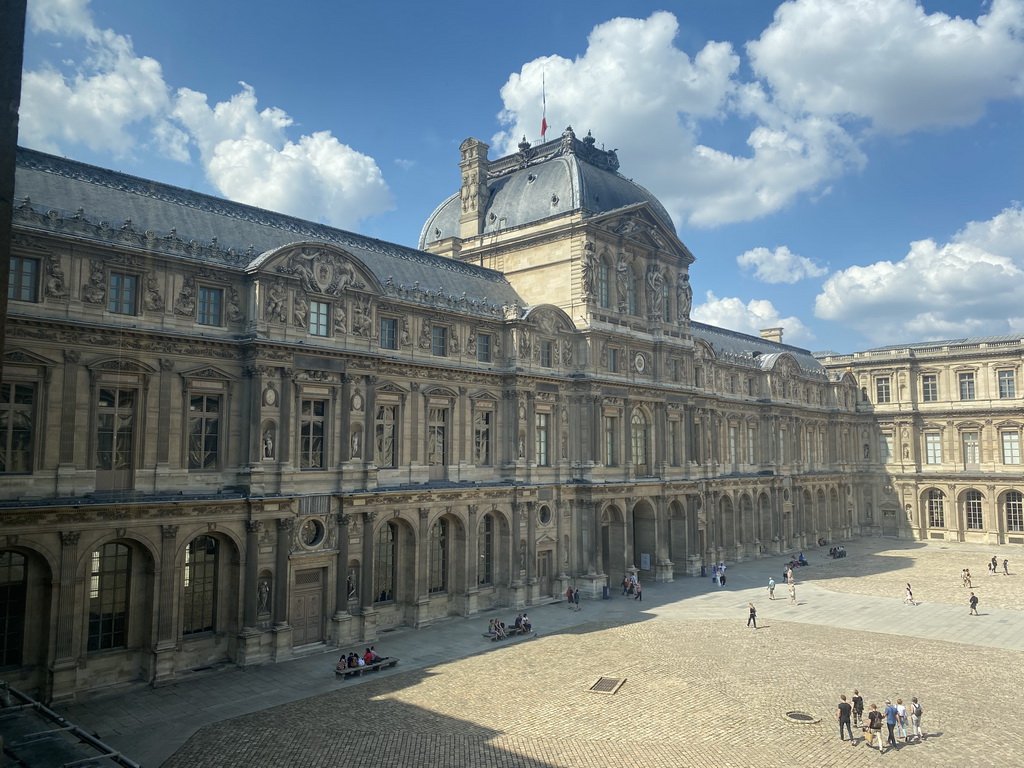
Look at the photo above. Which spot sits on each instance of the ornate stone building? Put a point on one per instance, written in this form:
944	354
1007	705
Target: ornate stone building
231	436
946	435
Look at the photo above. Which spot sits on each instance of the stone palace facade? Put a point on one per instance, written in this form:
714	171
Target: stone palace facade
231	436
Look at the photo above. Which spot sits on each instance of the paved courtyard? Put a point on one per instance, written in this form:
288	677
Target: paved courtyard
701	689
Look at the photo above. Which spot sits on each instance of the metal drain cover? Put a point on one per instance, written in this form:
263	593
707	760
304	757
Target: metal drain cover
801	718
607	685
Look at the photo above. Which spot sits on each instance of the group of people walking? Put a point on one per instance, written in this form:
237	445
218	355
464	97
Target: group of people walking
631	587
901	721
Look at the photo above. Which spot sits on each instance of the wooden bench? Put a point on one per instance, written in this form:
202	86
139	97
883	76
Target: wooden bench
374	667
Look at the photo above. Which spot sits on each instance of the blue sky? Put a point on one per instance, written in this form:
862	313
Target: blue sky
851	170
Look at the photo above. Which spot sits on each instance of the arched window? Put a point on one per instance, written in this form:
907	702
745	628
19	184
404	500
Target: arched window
603	292
109	597
439	556
936	514
13	603
199	591
485	545
666	310
1014	506
639	442
384	563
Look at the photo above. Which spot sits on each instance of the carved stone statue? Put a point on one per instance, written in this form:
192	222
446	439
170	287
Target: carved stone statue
268	444
56	288
684	297
263	596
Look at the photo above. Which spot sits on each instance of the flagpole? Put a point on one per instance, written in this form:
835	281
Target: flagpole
544	107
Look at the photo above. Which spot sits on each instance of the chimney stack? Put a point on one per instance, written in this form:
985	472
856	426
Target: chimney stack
772	334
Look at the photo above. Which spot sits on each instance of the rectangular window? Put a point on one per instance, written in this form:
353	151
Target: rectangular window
438	575
751	445
885	446
115	429
108	597
311	433
972	450
1007	385
545	354
386	431
203	431
1014	506
121	295
208	310
439	340
24	279
541	441
319	318
732	444
437	436
388	333
936	512
199	592
674	433
932	448
603	293
610	441
613	360
929	388
966	386
17	427
1011	447
485	546
483	348
674	366
975	518
482	437
883	393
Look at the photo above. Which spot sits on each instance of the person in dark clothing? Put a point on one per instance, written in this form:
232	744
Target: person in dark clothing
752	618
843	713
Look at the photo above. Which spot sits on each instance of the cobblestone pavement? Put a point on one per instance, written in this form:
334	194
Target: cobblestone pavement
701	689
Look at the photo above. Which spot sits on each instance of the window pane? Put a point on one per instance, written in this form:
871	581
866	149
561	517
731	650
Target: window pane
882	391
973	509
1011	447
121	294
319	318
483	348
199	589
385	426
966	386
203	431
23	281
17	427
13	607
108	597
384	563
388	333
929	388
209	310
1007	384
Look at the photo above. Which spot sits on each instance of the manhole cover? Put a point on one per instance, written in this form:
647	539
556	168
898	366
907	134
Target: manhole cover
801	718
608	685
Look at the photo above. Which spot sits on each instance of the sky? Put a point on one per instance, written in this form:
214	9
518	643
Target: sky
849	170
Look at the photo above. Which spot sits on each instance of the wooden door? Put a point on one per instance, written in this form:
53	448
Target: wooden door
544	574
307	607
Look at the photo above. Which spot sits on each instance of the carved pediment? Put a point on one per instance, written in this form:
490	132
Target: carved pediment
23	357
321	269
207	372
121	365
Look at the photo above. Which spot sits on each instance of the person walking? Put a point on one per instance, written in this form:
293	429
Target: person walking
625	584
771	588
890	723
721	576
967	578
974	605
858	707
843	712
576	598
915	720
792	594
568	596
875	727
752	617
901	721
639	593
909	597
714	575
1006	567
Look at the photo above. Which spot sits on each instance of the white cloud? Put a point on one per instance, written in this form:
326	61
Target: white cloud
968	286
890	62
825	69
651	100
779	266
752	317
118	102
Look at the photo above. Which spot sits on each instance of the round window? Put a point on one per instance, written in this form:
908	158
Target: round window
312	532
545	515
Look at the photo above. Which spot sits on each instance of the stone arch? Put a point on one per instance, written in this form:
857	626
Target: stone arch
645	537
681	536
28	581
613	542
226	582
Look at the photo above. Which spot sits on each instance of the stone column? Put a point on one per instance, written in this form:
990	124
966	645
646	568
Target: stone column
342	619
289	409
366	579
65	661
472	559
663	570
68	412
282	630
163	418
250	587
423	569
163	652
560	551
531	547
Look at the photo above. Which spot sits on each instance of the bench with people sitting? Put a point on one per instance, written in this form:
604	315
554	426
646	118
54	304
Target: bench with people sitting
836	552
498	630
353	664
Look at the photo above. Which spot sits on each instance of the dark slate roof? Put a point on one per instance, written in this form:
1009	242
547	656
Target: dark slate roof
968	341
165	218
743	348
549	180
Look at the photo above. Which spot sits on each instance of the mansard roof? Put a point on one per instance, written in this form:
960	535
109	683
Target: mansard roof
108	206
537	183
733	346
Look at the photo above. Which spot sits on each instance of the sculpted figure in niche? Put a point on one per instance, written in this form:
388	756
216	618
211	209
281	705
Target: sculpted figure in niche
684	297
268	444
277	303
185	304
655	297
263	596
405	338
361	319
424	341
623	272
55	286
153	301
95	291
356	447
340	318
589	274
300	312
234	308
